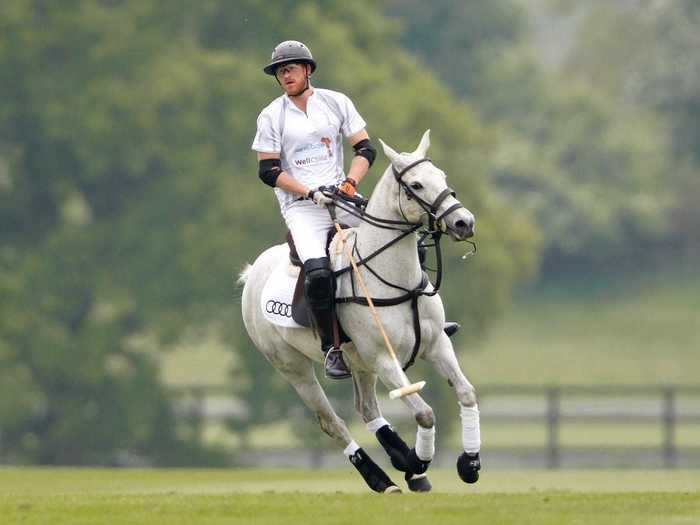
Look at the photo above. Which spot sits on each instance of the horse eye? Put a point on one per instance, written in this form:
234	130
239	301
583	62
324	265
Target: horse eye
416	186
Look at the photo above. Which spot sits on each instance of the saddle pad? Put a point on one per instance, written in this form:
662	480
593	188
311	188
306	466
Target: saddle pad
277	295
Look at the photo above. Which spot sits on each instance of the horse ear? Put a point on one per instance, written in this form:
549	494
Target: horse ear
422	148
390	153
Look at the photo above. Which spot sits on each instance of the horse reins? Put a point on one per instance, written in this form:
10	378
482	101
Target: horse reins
435	231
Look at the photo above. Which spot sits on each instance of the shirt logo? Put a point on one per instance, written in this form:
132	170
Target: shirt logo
314	153
328	143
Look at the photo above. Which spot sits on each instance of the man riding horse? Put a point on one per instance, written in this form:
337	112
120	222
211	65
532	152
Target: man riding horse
299	149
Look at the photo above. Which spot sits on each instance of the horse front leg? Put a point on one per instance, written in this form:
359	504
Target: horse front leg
396	448
419	457
443	358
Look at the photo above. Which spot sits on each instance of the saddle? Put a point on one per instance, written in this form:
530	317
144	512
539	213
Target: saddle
300	310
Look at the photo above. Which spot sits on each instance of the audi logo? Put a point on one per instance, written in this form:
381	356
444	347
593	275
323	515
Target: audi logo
278	308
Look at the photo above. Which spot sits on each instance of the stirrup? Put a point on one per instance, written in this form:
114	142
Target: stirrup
334	364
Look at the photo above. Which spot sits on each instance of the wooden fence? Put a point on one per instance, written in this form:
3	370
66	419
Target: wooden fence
670	407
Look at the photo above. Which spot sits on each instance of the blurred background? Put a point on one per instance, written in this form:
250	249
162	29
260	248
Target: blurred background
129	203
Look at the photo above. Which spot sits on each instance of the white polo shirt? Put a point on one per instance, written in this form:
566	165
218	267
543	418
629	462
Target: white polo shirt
309	144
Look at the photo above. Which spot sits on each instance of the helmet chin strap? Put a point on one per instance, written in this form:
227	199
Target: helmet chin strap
307	85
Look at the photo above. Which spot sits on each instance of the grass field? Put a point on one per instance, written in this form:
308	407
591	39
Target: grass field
104	496
627	333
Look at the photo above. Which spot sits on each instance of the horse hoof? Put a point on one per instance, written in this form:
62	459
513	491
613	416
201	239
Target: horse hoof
468	466
415	464
392	489
418	482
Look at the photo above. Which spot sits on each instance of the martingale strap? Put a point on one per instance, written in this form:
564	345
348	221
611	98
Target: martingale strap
435	231
362	261
410	295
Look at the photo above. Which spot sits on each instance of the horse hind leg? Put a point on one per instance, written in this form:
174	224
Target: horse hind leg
366	404
298	370
300	374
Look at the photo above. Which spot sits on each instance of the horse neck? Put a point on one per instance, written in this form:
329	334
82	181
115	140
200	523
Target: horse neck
399	263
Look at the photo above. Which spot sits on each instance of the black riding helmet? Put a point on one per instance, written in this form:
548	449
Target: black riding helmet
287	52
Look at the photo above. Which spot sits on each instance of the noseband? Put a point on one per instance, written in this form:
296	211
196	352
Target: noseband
431	209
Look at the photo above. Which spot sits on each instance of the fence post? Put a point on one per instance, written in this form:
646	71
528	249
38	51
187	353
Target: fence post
669	427
316	457
198	411
553	415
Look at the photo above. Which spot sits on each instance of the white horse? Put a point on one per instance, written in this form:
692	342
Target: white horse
408	189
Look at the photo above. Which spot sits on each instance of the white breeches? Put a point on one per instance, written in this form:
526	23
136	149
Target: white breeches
309	225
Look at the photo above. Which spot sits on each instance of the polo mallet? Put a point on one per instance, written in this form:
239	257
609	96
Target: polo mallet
407	388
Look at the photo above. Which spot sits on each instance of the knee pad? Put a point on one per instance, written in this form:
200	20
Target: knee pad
319	284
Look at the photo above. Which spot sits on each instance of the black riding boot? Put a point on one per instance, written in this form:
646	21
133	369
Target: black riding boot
319	288
450	327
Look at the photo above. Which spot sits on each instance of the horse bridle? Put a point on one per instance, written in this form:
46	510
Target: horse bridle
435	231
430	209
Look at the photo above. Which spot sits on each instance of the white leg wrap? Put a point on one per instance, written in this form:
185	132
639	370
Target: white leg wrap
351	448
471	433
376	424
425	443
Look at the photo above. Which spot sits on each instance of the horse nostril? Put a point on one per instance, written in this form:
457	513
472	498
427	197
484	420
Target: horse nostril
465	227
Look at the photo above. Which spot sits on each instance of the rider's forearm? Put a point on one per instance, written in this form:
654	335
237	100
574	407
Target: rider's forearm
288	183
358	168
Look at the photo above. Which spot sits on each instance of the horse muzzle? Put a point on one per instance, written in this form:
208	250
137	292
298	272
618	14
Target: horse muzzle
462	228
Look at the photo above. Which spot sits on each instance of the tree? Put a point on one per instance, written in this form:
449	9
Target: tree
86	213
649	53
128	200
590	172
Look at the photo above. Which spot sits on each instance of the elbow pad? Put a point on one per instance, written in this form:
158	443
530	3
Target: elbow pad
269	170
365	149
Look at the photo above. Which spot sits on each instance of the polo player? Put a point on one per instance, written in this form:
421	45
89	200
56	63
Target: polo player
299	149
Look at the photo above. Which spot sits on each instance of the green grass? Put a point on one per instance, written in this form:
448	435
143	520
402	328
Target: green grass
641	334
96	496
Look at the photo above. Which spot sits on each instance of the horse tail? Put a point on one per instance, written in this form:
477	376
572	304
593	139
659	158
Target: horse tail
243	276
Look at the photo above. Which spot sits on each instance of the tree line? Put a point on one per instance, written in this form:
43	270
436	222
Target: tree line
129	198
